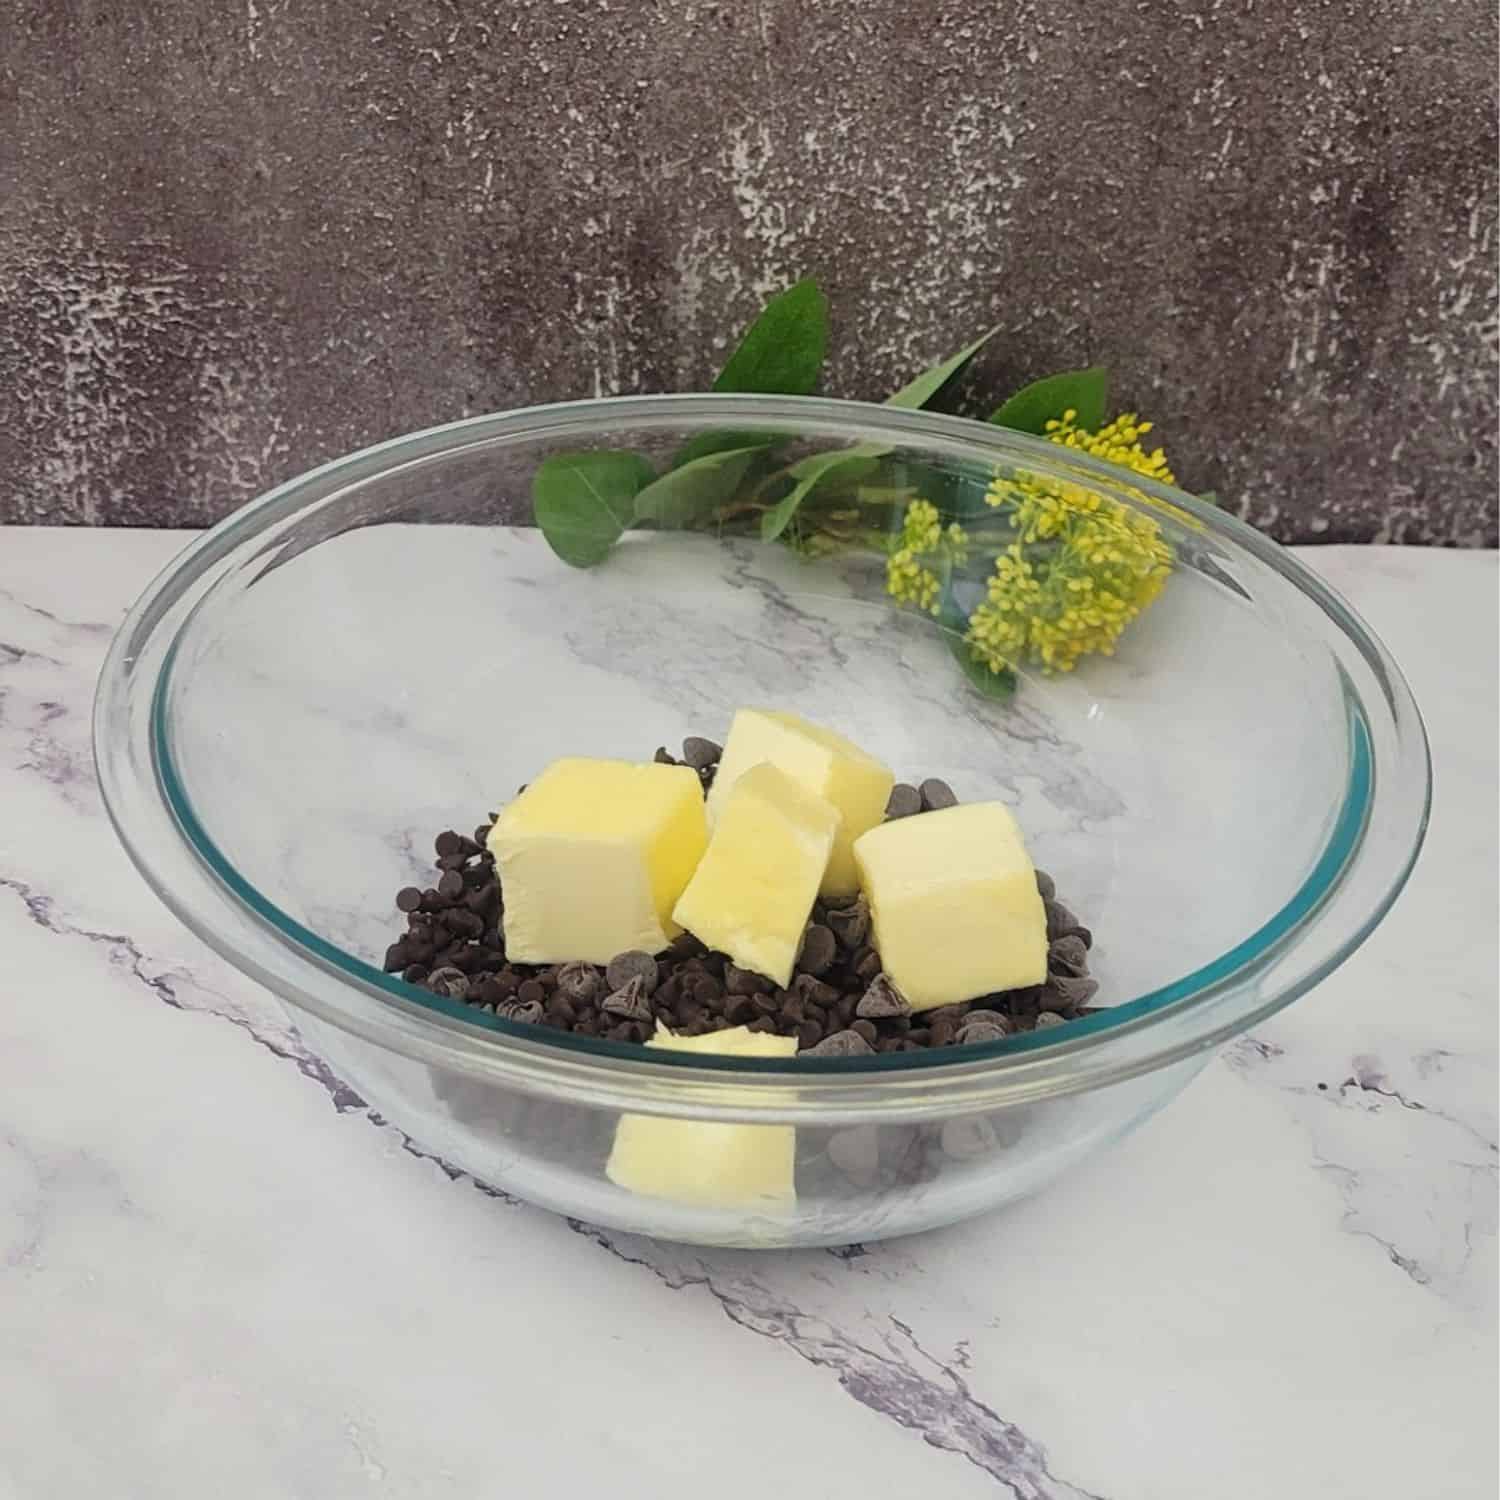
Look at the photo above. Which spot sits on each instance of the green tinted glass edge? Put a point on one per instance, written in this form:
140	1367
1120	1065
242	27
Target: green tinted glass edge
1343	843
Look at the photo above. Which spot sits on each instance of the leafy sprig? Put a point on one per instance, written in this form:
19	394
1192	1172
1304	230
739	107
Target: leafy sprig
584	502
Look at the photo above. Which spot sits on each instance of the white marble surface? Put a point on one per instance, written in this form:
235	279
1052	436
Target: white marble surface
215	1272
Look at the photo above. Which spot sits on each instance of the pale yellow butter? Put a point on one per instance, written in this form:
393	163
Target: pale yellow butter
954	904
751	895
593	856
825	763
709	1162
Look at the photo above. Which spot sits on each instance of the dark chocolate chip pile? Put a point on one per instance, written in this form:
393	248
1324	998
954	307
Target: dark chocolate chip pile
839	1003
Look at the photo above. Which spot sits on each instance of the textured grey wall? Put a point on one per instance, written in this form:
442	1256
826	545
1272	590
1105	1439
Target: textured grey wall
240	237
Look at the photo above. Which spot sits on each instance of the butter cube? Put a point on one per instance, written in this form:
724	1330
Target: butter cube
825	763
709	1162
593	856
954	904
753	892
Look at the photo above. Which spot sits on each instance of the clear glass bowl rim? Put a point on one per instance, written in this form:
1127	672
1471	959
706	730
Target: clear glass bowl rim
1194	1013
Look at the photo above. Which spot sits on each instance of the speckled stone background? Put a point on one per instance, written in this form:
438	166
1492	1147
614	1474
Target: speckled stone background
241	236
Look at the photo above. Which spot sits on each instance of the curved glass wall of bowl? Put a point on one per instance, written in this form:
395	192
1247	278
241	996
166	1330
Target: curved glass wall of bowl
392	665
365	656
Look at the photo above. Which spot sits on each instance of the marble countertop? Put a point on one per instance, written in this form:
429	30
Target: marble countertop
216	1272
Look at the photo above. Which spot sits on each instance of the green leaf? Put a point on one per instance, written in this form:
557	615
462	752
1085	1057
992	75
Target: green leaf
917	393
954	624
812	471
693	492
1211	497
853	464
782	350
583	501
1033	406
701	444
997	685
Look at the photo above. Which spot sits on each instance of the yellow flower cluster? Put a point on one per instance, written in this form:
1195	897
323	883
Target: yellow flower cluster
910	577
1081	567
1119	443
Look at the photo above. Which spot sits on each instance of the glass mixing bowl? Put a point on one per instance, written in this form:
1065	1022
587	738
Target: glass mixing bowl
368	654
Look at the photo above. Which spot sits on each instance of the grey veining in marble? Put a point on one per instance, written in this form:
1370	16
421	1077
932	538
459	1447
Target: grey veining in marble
217	1266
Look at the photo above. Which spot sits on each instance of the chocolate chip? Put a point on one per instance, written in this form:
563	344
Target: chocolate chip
631	1002
447	843
624	967
942	1032
686	946
868	966
530	992
663	757
579	982
840	1044
738	1010
700	754
1061	923
414	973
408	898
1021	1005
396	957
986	1017
809	1034
972	1032
484	901
903	801
1067	955
818	950
487	991
740	981
865	1029
449	981
1069	993
850	925
1049	1018
813	991
451	886
936	795
882	1000
463	923
1045	885
522	1012
708	992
